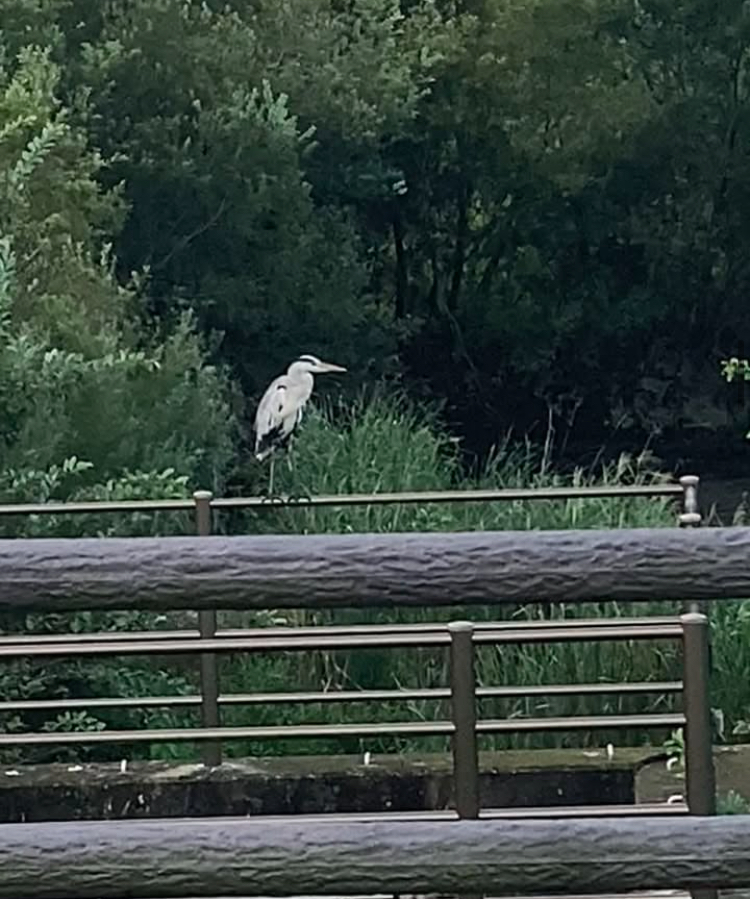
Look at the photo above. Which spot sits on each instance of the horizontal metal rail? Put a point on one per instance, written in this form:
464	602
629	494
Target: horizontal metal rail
290	643
352	499
572	811
449	814
453	496
343	696
262	633
95	507
579	722
327	731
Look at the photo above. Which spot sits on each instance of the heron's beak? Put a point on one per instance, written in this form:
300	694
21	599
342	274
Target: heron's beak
329	366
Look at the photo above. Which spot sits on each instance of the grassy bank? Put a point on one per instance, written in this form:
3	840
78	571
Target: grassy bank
385	446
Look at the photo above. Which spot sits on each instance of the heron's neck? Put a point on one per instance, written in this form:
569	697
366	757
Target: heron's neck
301	376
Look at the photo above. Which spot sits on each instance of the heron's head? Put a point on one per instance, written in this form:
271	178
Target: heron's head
314	366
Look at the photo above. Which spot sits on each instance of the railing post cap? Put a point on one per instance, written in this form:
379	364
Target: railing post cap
689	480
688	518
202	495
694	618
461	627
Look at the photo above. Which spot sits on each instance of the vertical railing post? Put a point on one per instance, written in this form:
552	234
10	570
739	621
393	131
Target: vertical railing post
463	702
690	517
700	776
209	663
700	780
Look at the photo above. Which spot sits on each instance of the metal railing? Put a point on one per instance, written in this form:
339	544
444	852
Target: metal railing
204	504
464	726
686	488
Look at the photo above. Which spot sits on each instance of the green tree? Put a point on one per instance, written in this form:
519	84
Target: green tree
522	208
80	376
493	242
196	106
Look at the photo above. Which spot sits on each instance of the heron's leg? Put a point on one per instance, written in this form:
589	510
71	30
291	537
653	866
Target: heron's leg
269	496
298	495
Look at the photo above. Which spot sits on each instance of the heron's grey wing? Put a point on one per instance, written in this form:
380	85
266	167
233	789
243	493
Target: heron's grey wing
275	418
269	407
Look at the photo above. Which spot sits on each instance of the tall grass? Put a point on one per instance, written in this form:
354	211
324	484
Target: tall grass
386	445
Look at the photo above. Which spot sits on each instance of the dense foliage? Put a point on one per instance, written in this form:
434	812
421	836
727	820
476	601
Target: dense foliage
532	210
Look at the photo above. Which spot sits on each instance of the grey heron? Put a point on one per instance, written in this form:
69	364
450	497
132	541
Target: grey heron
281	406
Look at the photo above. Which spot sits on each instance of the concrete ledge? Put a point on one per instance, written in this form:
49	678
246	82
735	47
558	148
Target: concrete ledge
314	785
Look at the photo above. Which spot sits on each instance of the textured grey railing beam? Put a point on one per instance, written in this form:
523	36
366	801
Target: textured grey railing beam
241	857
374	569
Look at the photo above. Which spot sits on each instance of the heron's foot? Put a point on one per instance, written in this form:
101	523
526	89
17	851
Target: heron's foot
268	497
299	498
